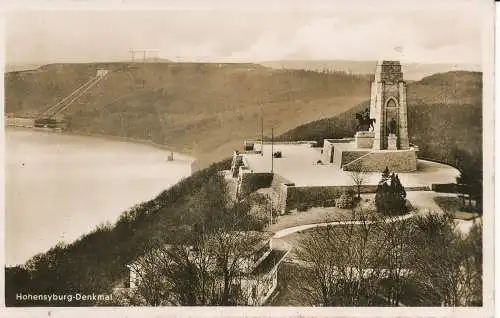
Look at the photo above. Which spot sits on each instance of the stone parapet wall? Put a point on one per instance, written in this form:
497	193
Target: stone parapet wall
278	181
349	156
250	181
377	161
295	197
278	142
337	157
327	155
340	141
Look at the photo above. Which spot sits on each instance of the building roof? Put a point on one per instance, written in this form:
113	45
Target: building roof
262	237
272	260
261	240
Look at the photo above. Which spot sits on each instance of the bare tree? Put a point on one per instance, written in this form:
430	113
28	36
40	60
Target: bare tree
360	264
341	264
396	258
358	176
232	251
204	270
174	275
447	261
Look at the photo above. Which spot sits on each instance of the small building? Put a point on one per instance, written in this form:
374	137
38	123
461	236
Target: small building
257	276
101	72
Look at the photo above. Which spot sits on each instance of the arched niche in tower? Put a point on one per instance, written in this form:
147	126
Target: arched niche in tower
391	103
391	120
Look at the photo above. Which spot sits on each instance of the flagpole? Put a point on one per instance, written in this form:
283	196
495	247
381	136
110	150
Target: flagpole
272	150
261	131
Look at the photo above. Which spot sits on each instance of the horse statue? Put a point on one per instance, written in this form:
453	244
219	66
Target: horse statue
364	120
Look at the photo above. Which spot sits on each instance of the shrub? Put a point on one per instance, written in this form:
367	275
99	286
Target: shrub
303	207
346	200
391	197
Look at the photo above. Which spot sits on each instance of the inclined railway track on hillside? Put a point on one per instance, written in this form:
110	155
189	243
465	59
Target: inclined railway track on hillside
48	118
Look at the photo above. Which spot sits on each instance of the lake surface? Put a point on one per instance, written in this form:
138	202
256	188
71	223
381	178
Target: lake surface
59	187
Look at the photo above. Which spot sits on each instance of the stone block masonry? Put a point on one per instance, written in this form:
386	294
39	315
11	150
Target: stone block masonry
364	139
294	197
250	182
377	161
392	142
350	156
388	106
327	154
328	148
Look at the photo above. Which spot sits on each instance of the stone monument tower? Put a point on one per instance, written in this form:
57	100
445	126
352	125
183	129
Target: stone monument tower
386	144
388	107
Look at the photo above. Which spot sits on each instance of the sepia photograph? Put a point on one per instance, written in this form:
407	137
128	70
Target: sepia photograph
312	156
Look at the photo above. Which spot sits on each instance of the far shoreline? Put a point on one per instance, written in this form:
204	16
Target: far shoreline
193	161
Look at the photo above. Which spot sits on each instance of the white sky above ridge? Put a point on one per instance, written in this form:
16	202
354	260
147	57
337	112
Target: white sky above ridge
424	36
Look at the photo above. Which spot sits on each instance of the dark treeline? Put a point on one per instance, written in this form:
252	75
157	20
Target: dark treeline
97	261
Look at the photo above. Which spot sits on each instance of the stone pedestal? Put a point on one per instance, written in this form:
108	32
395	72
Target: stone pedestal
364	139
392	142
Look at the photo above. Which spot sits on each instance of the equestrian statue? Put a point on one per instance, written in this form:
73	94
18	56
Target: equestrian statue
365	123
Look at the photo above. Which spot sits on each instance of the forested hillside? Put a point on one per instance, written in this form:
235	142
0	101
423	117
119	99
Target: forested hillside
444	118
201	109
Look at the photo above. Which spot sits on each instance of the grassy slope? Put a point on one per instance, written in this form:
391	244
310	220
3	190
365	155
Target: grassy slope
200	109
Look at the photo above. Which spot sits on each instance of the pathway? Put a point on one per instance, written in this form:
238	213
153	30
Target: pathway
299	228
423	201
278	241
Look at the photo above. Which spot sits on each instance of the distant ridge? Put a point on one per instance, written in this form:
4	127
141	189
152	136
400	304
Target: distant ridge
412	71
21	67
207	109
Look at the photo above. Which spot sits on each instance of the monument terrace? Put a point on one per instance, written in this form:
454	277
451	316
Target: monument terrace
301	171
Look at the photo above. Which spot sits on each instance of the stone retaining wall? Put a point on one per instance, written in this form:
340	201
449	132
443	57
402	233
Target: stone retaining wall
327	155
377	161
350	156
295	197
250	182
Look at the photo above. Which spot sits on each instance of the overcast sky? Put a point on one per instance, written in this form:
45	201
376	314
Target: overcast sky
80	36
